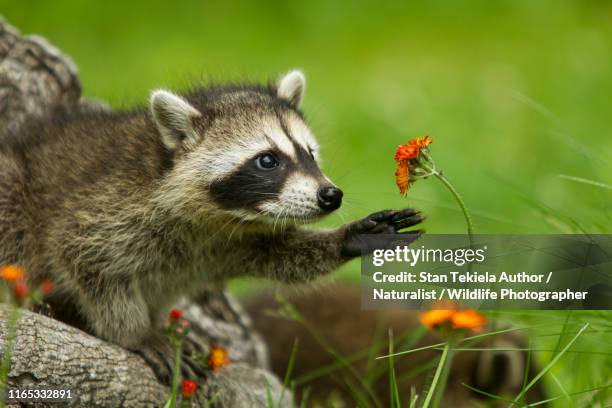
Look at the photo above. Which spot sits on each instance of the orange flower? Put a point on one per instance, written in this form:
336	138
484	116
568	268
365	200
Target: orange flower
407	151
423	142
12	273
188	388
402	176
407	157
454	317
412	149
468	319
434	318
218	358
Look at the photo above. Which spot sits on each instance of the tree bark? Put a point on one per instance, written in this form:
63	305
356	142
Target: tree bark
52	355
34	77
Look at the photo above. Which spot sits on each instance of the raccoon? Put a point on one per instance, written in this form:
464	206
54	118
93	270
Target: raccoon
126	211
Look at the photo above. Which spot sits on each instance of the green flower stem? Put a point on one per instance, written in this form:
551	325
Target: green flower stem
8	348
466	214
432	171
177	375
186	403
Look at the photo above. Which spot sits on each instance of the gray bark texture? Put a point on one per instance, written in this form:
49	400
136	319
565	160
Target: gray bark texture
35	76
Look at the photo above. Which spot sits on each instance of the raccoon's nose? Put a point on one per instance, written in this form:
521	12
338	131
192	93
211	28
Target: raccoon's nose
329	198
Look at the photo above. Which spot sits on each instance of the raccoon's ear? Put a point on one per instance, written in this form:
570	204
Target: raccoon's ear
173	116
291	87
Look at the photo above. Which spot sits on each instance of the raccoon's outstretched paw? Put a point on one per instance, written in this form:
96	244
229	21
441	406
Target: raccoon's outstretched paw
387	222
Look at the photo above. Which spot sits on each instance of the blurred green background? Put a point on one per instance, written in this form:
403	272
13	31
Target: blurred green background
514	93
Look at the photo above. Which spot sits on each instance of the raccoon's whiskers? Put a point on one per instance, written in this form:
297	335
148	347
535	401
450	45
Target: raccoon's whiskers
223	227
341	216
241	221
350	202
287	216
278	215
229	237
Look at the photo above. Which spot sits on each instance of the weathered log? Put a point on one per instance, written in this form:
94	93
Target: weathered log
49	354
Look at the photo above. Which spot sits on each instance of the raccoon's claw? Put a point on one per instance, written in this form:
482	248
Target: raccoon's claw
192	353
43	308
191	369
387	222
191	346
161	360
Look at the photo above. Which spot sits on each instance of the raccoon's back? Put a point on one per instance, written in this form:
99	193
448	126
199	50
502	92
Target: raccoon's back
68	152
56	167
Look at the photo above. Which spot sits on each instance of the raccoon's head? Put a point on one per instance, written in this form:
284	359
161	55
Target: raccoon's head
244	150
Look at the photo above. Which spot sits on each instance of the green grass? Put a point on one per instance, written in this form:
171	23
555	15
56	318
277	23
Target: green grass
395	400
515	94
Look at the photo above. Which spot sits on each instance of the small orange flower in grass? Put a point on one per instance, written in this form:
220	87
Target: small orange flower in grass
410	159
454	317
218	358
468	319
12	273
414	162
188	388
434	318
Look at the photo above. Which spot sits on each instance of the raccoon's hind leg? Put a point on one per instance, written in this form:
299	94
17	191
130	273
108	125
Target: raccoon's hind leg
117	312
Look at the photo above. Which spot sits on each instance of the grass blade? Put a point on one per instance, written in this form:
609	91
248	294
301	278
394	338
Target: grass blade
269	398
586	181
548	366
478	336
487	394
546	401
437	376
413	397
356	393
305	396
563	391
394	392
289	370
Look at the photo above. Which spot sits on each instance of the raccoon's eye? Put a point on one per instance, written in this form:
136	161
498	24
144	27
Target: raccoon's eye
266	161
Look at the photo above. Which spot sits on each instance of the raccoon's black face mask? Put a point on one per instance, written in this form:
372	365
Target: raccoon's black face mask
258	153
276	185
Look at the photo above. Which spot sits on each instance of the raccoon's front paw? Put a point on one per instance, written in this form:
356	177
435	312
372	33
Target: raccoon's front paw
161	358
383	222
